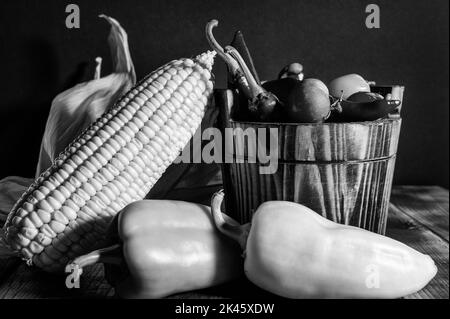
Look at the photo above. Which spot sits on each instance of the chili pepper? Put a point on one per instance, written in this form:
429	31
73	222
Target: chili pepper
240	45
365	111
294	252
261	102
162	247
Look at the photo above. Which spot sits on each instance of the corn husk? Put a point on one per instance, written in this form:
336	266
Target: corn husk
75	109
191	181
11	188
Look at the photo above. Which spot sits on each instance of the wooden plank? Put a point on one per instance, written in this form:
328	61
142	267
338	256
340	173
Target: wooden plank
429	205
410	231
30	283
7	267
200	195
26	282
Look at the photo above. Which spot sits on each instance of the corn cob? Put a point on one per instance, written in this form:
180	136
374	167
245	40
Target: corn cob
114	162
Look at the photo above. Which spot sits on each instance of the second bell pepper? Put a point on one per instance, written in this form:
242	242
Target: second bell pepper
294	252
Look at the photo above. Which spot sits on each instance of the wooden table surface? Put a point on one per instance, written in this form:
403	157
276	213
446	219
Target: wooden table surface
418	217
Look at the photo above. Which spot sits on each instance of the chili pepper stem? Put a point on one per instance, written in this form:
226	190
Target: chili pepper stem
107	255
231	63
237	232
336	105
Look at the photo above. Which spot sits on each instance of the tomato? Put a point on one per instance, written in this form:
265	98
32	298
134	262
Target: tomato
308	102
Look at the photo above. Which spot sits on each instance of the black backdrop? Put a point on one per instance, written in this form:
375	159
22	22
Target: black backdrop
39	57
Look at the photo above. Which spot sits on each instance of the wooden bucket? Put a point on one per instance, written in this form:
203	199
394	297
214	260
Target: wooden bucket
342	171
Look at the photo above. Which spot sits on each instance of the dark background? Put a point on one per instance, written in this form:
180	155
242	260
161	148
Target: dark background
40	57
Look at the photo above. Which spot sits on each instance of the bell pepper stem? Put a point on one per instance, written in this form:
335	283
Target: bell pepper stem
238	233
107	255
